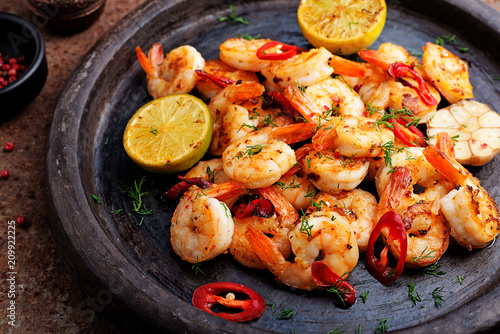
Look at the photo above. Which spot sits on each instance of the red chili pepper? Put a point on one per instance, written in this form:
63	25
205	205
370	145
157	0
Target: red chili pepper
379	267
4	174
324	276
283	103
258	207
398	70
208	295
180	188
218	80
409	135
288	51
9	147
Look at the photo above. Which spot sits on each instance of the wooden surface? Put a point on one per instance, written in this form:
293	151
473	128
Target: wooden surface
48	299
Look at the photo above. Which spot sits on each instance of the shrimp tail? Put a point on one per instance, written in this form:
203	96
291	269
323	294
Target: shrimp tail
225	190
302	103
444	143
344	66
145	62
325	136
294	133
395	189
266	250
281	204
377	58
446	165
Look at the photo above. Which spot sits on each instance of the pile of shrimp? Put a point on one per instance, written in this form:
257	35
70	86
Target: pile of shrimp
293	140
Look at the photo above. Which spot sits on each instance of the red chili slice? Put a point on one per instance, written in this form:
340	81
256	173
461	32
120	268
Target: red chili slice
379	267
288	51
283	103
259	207
324	276
180	188
398	70
208	295
409	135
218	80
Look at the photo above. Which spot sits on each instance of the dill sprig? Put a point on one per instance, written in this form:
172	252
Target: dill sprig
136	194
434	270
413	294
285	313
438	297
382	326
233	18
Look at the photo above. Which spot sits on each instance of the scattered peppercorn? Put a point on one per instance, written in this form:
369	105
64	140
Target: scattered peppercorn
4	174
11	68
21	220
9	147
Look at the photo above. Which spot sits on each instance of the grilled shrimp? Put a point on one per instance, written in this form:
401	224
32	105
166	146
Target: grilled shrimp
472	213
448	73
276	227
241	53
330	172
325	235
355	137
427	229
173	73
208	88
303	69
296	189
210	170
359	207
232	120
202	226
262	157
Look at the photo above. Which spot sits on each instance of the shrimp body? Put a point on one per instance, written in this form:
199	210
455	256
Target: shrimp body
202	226
210	170
330	172
359	207
172	74
427	229
296	189
277	227
208	89
241	53
360	137
472	213
325	235
303	69
262	157
448	73
232	121
335	95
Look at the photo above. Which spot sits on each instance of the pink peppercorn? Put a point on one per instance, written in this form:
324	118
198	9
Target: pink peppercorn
21	220
9	147
4	174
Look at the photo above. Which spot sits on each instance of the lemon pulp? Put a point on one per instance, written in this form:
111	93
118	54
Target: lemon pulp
169	134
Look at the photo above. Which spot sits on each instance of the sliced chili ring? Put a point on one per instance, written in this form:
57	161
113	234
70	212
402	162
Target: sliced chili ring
398	70
379	267
288	51
180	188
324	276
409	135
218	80
208	295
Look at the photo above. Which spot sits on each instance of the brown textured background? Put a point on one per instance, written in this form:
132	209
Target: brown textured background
48	299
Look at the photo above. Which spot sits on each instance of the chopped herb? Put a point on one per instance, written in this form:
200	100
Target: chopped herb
248	126
272	306
438	297
211	174
289	186
464	49
335	331
337	290
439	41
233	18
136	194
197	269
106	141
451	39
285	314
382	326
413	294
268	121
496	77
460	279
248	37
455	137
97	199
154	131
305	227
364	296
422	255
415	54
358	330
251	150
435	270
116	211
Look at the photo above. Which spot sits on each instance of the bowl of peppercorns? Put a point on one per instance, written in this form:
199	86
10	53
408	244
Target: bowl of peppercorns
23	65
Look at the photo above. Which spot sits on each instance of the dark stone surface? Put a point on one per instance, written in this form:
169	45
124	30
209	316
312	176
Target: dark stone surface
133	262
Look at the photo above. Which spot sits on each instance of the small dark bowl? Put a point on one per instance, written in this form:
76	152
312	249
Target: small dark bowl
19	37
